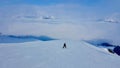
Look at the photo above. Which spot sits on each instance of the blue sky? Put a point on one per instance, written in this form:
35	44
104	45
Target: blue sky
101	5
46	2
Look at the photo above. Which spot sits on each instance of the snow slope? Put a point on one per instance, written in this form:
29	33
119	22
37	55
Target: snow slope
50	54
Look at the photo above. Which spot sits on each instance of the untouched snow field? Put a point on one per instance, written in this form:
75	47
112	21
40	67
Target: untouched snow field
50	54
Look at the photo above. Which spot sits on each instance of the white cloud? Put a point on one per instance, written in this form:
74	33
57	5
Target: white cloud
66	22
114	18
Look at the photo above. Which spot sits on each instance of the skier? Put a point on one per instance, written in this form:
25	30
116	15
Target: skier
64	46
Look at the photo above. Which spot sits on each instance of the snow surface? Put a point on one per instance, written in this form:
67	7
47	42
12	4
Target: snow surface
50	54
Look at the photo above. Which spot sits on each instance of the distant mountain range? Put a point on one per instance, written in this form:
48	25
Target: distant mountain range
22	38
